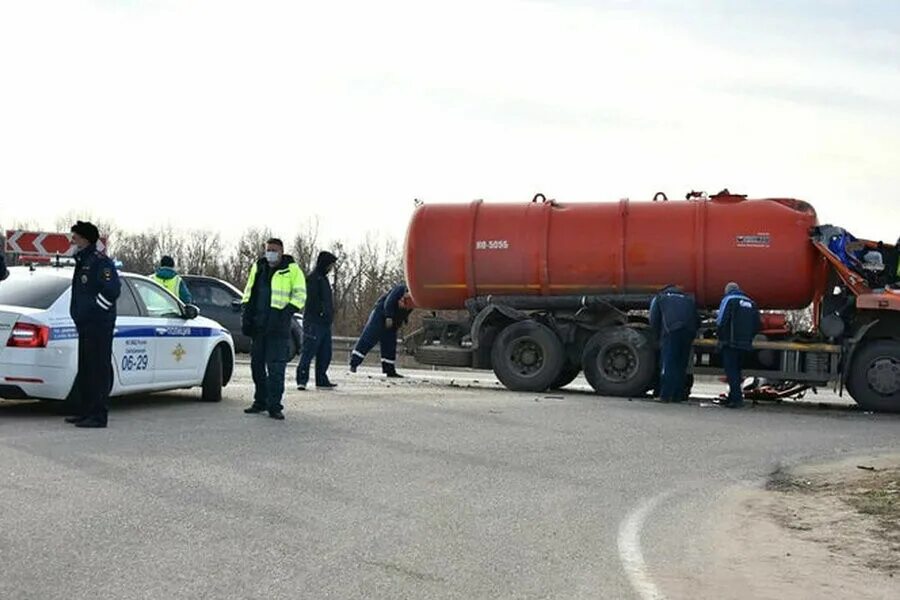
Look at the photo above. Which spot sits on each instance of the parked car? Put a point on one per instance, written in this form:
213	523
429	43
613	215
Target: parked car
221	301
158	342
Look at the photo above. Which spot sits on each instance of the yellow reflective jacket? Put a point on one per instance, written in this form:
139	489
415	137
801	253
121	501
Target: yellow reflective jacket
288	285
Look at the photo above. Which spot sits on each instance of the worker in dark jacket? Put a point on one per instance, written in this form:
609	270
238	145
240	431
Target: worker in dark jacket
389	314
317	320
737	323
3	272
673	315
275	290
95	289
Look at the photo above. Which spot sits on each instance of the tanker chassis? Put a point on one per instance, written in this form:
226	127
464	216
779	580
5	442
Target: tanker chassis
547	290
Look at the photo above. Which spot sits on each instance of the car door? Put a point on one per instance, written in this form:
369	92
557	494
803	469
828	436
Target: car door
134	343
180	348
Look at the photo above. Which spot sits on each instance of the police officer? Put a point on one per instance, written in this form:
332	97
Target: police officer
275	290
673	315
736	324
168	277
318	315
389	314
95	289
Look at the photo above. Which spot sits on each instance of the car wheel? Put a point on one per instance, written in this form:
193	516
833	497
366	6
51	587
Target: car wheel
213	378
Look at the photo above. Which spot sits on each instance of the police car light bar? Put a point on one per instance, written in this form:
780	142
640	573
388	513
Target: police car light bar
27	335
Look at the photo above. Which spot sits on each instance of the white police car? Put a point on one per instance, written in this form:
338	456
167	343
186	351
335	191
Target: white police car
159	344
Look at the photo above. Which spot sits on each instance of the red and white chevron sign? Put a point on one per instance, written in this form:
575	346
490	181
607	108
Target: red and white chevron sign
42	243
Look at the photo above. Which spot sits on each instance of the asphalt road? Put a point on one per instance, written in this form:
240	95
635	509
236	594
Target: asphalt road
437	487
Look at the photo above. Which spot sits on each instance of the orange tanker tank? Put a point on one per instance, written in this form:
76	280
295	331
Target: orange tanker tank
460	251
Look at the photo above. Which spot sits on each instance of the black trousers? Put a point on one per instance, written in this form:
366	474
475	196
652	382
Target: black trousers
732	360
94	378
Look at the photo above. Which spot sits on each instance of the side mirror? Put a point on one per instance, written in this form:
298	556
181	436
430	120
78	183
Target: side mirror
191	312
236	306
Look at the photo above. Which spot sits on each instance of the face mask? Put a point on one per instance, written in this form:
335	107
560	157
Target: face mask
272	257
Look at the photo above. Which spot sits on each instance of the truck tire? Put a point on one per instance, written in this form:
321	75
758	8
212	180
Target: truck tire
620	361
566	376
213	379
527	357
874	380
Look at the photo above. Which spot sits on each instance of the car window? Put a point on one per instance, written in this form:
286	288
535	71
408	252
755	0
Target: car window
159	302
199	292
32	289
126	305
219	296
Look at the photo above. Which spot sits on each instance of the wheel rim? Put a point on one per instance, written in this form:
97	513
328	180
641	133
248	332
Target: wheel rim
526	357
618	362
883	375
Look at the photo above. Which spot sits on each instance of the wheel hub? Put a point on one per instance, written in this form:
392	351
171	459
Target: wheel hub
619	362
883	375
526	357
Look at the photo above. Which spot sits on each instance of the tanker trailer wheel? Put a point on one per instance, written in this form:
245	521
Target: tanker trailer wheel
527	357
874	380
620	361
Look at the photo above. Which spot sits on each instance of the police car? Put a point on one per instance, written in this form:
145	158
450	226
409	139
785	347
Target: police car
159	343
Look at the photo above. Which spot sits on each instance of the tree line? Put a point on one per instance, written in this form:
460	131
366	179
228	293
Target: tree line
365	270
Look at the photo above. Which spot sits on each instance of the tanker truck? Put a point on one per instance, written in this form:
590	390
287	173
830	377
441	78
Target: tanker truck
544	290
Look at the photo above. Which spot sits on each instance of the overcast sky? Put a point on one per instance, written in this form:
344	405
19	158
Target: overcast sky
223	114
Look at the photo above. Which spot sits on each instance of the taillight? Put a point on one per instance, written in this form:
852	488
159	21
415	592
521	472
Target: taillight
26	335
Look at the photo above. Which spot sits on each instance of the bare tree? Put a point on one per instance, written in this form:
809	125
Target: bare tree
248	249
138	252
305	245
201	252
108	229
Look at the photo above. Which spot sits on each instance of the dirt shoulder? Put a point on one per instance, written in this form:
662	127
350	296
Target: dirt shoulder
825	531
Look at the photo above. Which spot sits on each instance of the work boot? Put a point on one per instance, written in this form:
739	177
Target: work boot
276	414
301	387
73	419
326	386
90	423
254	410
393	374
353	368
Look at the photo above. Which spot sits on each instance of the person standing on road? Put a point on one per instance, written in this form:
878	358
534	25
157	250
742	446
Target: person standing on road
275	290
318	317
4	273
737	323
389	314
95	289
673	315
168	277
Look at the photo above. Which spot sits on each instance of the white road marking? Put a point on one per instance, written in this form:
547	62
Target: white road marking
630	549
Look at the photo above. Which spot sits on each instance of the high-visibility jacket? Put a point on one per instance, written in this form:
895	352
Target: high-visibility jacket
172	284
288	285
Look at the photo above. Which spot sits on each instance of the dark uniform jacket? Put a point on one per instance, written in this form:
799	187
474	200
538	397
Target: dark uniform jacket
319	307
95	289
673	310
738	321
389	305
3	272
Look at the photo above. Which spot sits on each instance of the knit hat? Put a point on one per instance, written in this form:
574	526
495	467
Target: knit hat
87	230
